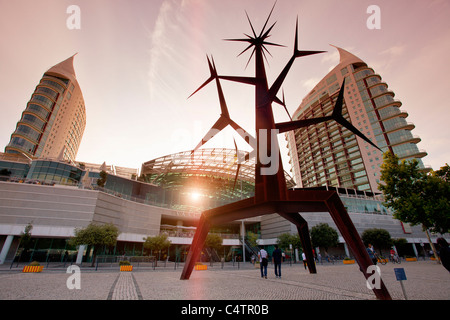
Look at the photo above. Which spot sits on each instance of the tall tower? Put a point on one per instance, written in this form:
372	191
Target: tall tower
330	155
53	122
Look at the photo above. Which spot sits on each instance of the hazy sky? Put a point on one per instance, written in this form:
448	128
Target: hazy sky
139	60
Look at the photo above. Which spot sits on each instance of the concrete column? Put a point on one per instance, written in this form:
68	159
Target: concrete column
415	249
81	249
5	249
243	240
347	253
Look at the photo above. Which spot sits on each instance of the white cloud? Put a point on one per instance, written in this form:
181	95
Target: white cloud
310	83
394	51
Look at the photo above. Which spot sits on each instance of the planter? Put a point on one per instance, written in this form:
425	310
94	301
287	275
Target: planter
126	268
201	267
411	259
349	261
434	259
29	269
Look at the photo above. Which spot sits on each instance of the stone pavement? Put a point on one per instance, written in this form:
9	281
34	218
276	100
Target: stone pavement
426	280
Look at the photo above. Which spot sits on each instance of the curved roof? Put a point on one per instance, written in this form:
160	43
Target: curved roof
346	57
65	69
215	162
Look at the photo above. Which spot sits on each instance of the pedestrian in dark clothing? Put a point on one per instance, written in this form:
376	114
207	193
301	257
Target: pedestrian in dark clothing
276	259
444	253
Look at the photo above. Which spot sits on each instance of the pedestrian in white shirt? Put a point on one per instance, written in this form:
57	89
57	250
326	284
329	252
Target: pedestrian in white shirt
263	261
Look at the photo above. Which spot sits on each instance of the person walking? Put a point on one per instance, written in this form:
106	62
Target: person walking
276	259
304	259
262	255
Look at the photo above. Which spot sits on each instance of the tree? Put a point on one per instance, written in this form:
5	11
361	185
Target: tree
157	243
379	238
322	235
102	180
443	173
25	240
286	239
416	197
214	241
96	236
252	239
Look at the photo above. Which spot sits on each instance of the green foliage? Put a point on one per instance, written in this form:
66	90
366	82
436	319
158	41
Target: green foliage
213	241
25	236
379	238
416	197
124	263
96	235
443	173
157	243
322	235
252	239
34	264
285	239
102	180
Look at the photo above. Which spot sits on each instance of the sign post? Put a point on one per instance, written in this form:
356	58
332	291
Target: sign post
401	276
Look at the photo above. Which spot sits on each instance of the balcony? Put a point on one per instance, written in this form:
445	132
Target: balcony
410	139
392	114
413	154
400	125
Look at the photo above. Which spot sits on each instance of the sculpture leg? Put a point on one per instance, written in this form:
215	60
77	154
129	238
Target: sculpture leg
353	240
302	228
196	247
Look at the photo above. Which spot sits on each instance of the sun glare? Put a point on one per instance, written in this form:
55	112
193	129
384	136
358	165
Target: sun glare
195	196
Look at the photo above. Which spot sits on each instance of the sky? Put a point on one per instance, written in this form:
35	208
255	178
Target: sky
138	61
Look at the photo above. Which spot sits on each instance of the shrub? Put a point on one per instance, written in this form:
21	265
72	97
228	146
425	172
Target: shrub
34	264
124	263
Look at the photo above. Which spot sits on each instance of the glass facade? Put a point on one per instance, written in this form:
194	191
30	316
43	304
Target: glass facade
56	101
390	128
54	172
37	117
13	170
328	154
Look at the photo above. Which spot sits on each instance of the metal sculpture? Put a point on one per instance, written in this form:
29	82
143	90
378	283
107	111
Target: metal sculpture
271	194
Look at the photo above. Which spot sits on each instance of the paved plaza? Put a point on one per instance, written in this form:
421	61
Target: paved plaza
426	280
